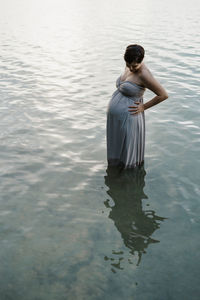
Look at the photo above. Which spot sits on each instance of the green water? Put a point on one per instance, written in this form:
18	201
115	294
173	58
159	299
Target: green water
71	229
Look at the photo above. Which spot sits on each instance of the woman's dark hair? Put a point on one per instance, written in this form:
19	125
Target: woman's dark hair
134	53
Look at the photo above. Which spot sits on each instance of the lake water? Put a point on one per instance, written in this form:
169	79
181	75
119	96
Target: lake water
70	228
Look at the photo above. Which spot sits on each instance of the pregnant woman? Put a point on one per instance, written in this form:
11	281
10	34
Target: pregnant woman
125	129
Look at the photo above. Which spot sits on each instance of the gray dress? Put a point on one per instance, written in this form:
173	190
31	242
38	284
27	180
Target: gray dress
125	133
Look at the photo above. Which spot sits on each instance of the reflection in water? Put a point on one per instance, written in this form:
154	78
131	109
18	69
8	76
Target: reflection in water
135	224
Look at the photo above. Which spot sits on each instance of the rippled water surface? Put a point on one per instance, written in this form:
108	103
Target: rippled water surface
71	228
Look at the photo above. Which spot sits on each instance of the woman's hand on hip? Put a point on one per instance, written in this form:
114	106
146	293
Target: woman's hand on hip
136	109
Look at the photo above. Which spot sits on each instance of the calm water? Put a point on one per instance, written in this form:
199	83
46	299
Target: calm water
71	229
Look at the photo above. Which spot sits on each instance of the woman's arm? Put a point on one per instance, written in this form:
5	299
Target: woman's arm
152	84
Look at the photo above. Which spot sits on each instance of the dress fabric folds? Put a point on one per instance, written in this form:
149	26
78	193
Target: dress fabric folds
125	132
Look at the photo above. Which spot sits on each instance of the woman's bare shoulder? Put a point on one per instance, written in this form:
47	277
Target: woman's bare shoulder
150	81
145	72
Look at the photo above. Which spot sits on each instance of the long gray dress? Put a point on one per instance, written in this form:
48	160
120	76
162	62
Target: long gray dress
125	133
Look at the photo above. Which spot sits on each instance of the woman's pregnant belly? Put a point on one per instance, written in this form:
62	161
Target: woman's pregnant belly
119	104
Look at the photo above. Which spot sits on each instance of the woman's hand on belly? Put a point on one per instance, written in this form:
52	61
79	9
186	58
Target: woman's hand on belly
137	109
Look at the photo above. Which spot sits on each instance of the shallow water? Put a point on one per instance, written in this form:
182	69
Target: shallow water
71	228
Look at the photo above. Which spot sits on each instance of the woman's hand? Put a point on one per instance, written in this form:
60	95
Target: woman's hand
137	109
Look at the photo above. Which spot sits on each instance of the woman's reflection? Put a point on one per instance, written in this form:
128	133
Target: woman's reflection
135	224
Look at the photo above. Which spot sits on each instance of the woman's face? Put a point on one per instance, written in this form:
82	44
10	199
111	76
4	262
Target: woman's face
134	66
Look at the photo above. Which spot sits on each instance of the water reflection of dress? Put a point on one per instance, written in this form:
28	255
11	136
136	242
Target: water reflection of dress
135	224
125	132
